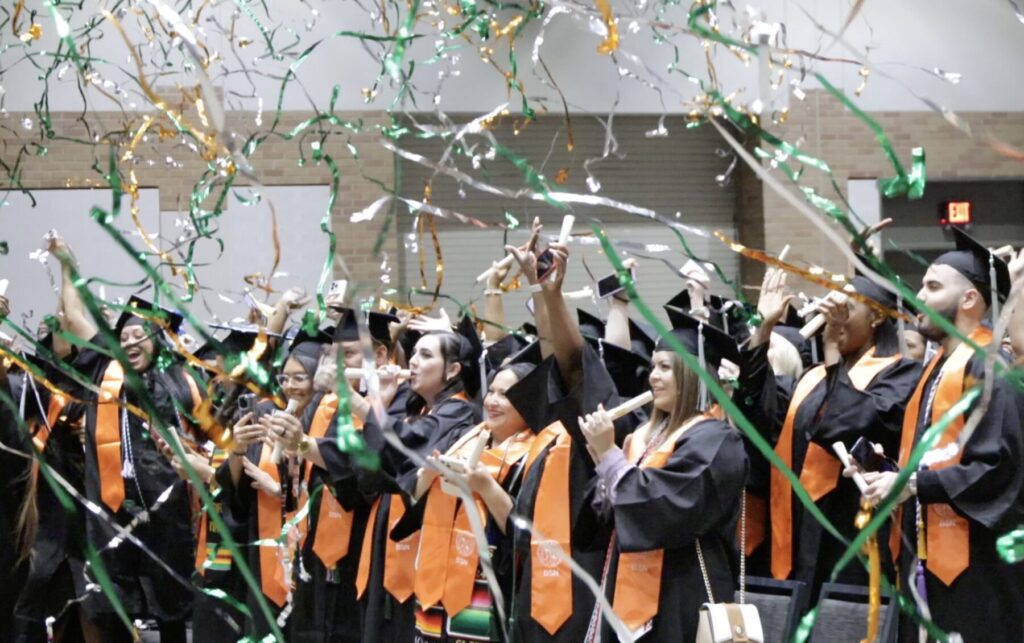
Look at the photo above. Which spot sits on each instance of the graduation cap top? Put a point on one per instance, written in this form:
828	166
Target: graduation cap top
505	347
530	354
628	369
529	396
642	337
590	325
172	317
241	335
347	329
690	330
321	337
975	262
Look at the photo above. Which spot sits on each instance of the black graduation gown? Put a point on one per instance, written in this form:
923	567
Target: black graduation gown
596	387
325	608
984	603
219	621
12	489
835	410
384	618
55	573
144	588
502	555
695	495
244	509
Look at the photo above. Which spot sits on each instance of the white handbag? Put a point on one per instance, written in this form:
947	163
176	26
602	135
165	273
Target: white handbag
730	622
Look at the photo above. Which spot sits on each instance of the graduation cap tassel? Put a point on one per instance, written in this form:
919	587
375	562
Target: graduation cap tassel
703	399
994	285
901	326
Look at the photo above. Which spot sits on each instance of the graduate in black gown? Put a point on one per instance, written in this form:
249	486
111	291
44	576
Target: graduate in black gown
551	603
264	494
960	500
860	391
16	469
673	490
125	472
53	532
438	413
466	609
325	606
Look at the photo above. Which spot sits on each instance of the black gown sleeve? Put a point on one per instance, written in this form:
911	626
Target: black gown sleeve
848	413
761	395
697	489
986	484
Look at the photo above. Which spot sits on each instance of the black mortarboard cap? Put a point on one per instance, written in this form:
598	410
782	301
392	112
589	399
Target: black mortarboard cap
530	354
380	326
865	286
642	337
321	336
347	329
687	329
241	335
529	396
715	304
506	346
975	262
590	325
627	369
172	317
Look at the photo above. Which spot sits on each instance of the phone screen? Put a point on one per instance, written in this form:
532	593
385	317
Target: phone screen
545	264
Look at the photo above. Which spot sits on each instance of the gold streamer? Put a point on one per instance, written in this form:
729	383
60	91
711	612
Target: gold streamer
611	41
874	571
817	276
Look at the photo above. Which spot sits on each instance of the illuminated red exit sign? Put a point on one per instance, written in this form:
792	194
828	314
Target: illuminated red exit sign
955	213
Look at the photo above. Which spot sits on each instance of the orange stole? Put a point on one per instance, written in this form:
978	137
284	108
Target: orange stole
638	574
550	576
947	533
334	524
108	437
399	557
451	572
216	460
53	411
820	472
108	433
273	579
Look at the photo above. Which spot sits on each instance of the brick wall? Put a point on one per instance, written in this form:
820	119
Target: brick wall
69	164
821	125
829	132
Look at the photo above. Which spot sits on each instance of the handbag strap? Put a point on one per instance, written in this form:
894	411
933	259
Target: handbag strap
743	556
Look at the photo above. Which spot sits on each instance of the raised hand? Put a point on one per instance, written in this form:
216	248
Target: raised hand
775	296
261	480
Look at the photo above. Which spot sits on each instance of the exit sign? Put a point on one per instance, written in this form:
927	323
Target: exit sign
955	213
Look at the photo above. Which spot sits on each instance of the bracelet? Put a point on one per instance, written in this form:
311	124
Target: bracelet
494	291
535	288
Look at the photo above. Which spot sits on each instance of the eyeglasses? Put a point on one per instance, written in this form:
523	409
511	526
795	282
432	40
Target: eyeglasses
298	378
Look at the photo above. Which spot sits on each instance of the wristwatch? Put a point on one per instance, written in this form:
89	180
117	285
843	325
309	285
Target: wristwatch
305	444
912	484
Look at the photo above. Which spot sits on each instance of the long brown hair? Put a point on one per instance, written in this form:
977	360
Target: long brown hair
687	403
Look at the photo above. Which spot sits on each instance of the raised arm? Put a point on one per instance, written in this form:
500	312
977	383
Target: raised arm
76	320
567	342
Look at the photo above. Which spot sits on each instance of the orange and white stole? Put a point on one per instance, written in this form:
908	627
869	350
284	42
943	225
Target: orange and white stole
446	564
